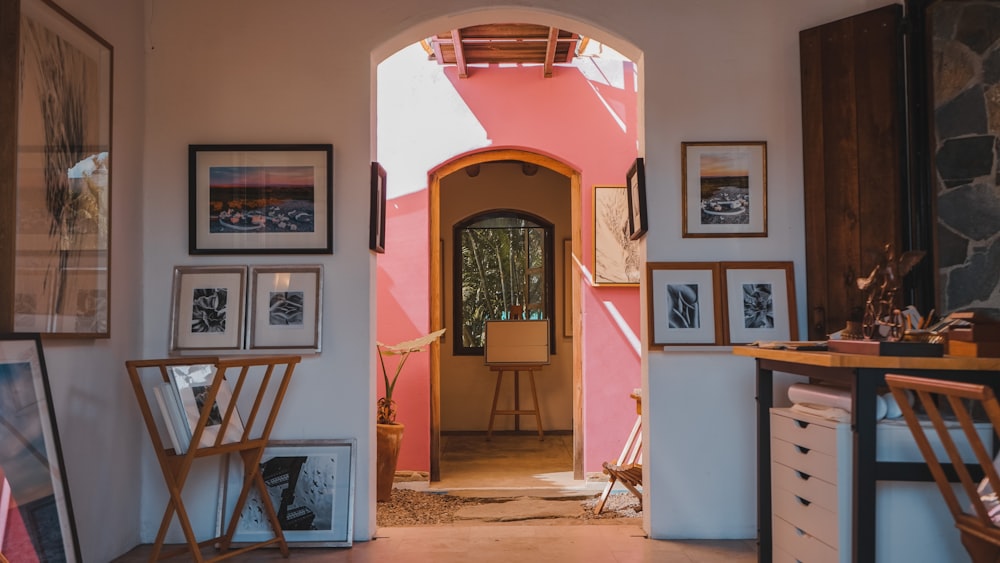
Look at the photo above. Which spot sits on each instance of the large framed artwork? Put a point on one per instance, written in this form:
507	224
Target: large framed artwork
55	189
36	516
684	301
260	199
311	487
286	307
208	308
635	179
616	256
376	227
724	189
759	300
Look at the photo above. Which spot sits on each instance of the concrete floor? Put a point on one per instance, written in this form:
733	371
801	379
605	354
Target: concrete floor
510	466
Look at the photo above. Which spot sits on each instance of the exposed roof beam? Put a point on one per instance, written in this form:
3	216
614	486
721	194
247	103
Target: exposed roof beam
456	41
550	52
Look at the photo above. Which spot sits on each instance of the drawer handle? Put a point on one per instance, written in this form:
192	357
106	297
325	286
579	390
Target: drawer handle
802	501
802	449
803	476
801	423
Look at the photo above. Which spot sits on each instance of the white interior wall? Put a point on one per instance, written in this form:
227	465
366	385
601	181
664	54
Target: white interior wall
261	71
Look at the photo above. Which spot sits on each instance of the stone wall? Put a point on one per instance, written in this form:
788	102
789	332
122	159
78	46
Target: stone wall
966	96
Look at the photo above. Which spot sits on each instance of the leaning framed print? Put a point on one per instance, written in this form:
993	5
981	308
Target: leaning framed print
310	485
260	199
286	307
684	301
759	302
376	234
635	179
616	257
55	188
34	494
208	308
724	189
192	386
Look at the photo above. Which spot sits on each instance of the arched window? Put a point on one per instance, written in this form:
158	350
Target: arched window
503	262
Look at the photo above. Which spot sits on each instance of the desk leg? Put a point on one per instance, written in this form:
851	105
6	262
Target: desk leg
765	400
517	401
865	390
493	410
538	410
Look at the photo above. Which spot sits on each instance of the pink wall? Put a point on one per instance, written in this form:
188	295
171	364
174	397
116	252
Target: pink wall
569	117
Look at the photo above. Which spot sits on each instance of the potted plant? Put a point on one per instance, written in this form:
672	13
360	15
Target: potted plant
389	432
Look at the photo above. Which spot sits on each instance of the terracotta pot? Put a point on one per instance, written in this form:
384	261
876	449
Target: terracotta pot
389	437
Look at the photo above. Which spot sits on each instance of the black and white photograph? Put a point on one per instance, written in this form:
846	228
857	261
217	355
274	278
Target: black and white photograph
759	302
286	307
311	488
724	189
635	179
684	297
193	384
209	308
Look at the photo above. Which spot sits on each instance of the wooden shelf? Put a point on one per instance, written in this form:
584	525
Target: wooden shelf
260	382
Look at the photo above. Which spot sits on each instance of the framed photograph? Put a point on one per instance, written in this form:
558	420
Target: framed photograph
376	236
192	384
636	182
616	257
759	301
724	189
55	189
260	199
34	494
286	307
208	308
311	487
684	297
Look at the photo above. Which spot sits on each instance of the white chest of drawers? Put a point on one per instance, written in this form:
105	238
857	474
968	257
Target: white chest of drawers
811	496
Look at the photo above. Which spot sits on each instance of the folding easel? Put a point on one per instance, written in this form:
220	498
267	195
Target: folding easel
628	468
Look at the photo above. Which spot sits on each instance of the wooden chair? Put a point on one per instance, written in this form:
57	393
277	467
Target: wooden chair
628	468
979	533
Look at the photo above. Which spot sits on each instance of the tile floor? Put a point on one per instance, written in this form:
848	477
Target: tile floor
510	466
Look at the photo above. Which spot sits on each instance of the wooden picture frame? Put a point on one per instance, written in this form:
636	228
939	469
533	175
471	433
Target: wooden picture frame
322	476
192	383
724	189
635	180
55	187
32	472
208	308
759	302
616	256
286	308
684	301
376	235
260	199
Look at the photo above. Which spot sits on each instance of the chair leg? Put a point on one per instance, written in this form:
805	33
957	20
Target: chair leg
980	551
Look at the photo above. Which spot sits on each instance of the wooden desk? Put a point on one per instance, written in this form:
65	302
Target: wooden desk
517	411
864	375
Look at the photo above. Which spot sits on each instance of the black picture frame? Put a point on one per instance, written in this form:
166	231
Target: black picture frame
32	462
376	236
635	180
284	202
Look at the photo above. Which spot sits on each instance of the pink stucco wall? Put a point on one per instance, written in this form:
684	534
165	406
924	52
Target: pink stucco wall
587	123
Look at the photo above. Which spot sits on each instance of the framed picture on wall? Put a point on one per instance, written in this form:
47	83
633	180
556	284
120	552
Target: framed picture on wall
684	302
724	189
311	487
759	302
34	493
286	307
636	182
260	199
616	256
208	308
376	235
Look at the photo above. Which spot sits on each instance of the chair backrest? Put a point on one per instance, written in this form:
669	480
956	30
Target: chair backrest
972	515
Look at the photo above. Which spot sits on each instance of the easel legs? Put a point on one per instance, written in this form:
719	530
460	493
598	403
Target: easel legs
517	411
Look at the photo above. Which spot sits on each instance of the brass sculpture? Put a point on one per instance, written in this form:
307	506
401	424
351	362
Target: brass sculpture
881	288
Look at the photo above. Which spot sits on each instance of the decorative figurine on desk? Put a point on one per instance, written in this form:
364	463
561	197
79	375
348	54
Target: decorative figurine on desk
881	287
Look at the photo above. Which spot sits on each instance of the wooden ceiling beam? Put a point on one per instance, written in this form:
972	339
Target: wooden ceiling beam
550	52
456	41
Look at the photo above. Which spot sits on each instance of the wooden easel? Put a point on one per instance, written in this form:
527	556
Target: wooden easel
628	469
517	411
275	373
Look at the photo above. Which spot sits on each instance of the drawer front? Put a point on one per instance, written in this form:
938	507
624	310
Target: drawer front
804	431
812	462
803	485
797	545
808	517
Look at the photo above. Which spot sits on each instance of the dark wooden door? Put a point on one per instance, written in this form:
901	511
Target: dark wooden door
853	131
